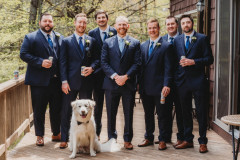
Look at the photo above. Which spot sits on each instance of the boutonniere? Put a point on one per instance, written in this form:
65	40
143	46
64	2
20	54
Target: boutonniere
111	34
87	49
127	42
194	39
158	44
58	35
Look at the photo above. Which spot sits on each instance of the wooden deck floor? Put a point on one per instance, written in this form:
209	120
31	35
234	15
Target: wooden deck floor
219	149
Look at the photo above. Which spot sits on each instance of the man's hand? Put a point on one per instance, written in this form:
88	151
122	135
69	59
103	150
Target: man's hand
65	88
87	71
121	80
165	91
186	62
46	63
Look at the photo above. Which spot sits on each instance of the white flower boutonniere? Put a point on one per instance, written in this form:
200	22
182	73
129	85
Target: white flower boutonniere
58	35
127	42
158	44
111	34
87	42
194	39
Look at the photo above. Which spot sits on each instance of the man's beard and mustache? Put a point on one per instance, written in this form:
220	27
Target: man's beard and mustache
45	30
188	30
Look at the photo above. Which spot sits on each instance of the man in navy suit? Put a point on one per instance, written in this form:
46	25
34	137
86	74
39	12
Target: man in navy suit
172	29
191	80
102	32
77	50
120	61
155	79
43	75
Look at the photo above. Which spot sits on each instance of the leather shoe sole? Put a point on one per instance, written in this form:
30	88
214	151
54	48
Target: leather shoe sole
63	145
56	138
184	145
162	146
203	148
145	143
40	141
128	145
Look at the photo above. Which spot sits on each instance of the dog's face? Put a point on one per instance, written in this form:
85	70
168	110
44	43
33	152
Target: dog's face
82	109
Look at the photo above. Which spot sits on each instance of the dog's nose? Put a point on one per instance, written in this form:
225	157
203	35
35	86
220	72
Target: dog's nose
83	112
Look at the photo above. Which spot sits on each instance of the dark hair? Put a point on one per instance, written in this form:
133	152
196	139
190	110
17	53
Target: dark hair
44	14
170	17
187	16
80	15
152	20
101	12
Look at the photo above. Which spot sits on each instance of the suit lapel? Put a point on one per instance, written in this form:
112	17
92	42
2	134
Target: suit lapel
117	47
44	41
99	39
76	45
182	41
155	49
125	47
146	51
56	47
191	44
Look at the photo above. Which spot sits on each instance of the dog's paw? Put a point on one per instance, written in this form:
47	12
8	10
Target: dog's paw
93	154
72	156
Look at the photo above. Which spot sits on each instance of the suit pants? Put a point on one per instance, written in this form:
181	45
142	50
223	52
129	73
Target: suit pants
164	113
98	96
41	97
174	100
67	110
200	97
112	103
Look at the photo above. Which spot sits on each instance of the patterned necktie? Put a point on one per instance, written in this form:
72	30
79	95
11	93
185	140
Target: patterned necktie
50	41
171	40
150	49
187	42
121	44
105	35
81	44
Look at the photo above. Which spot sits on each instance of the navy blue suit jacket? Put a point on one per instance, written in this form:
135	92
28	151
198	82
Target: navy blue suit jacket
156	70
72	58
34	50
165	37
112	61
95	33
200	51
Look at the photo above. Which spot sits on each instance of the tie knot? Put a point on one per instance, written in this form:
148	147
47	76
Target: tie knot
152	42
80	38
187	37
105	33
171	38
48	35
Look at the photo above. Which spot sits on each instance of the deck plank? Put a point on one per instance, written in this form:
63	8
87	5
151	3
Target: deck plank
218	148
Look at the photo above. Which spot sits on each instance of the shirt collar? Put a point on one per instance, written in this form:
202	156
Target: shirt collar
156	40
121	37
189	35
107	30
45	34
173	36
77	36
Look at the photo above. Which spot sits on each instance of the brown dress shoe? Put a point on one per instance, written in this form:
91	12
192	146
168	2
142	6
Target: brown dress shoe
162	145
184	145
128	145
56	138
63	145
145	143
178	143
40	141
203	148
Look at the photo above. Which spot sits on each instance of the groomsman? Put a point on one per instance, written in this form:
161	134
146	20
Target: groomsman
191	80
155	79
40	50
77	50
172	29
102	32
120	61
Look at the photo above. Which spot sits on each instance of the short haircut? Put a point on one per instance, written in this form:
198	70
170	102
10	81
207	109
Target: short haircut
187	16
80	15
170	17
101	12
152	20
44	14
121	18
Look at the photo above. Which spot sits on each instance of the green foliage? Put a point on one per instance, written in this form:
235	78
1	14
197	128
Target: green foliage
15	22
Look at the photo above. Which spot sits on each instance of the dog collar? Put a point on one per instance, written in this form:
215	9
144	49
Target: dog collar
79	123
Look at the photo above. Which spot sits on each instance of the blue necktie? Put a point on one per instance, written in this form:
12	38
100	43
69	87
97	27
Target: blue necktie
50	41
187	42
150	49
81	44
171	40
121	44
105	35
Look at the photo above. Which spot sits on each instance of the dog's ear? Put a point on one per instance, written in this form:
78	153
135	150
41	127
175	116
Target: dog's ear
74	104
91	103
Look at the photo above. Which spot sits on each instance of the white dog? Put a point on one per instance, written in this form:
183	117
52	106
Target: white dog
83	130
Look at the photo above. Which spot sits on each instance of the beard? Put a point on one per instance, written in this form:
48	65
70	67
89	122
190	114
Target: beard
43	28
188	30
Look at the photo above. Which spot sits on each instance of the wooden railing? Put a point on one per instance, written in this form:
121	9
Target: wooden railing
15	112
